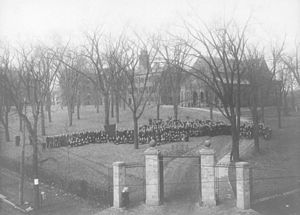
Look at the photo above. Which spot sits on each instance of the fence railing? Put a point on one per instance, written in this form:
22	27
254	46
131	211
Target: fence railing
135	181
101	193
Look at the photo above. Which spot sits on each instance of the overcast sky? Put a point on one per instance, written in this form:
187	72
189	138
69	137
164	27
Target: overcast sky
30	20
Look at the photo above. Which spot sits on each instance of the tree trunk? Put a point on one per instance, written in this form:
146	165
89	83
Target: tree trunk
6	129
49	107
106	109
112	105
49	113
20	124
157	110
255	129
5	125
175	108
22	172
136	131
279	117
97	103
278	95
176	98
235	142
117	109
20	119
255	119
262	117
256	132
78	108
124	104
286	107
43	129
262	107
70	114
100	100
211	111
238	109
97	108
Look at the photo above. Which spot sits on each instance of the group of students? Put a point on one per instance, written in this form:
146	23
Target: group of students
76	139
160	131
174	131
247	131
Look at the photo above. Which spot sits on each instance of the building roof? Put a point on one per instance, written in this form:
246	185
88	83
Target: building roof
202	65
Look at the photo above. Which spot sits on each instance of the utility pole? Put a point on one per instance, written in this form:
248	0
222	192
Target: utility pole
21	187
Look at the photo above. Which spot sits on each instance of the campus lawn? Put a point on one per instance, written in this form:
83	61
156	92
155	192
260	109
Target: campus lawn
93	162
276	169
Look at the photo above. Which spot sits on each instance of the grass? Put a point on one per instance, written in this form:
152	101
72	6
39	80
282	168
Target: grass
276	167
93	162
273	168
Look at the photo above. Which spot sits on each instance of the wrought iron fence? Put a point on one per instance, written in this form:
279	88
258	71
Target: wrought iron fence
101	193
135	181
181	177
269	181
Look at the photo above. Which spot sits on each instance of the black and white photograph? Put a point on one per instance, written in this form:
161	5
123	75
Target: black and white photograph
149	107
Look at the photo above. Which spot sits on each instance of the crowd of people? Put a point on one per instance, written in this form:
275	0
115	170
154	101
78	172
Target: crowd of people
247	131
76	139
161	131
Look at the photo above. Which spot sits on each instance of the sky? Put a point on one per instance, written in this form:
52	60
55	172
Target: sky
47	20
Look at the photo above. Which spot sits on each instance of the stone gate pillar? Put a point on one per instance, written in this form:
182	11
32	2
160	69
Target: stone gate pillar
118	182
208	179
242	185
153	176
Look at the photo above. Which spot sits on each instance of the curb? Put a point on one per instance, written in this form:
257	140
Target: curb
4	199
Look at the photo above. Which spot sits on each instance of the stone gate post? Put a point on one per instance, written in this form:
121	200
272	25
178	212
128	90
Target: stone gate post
118	182
208	179
153	176
242	185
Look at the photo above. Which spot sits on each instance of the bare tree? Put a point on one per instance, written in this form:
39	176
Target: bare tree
48	65
118	78
287	81
5	103
69	79
256	72
276	68
136	61
5	107
293	63
176	56
159	90
219	53
94	52
25	81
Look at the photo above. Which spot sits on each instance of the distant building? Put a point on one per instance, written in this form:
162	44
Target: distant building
153	77
195	93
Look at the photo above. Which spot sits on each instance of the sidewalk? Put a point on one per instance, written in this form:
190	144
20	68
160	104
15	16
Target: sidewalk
176	208
57	202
